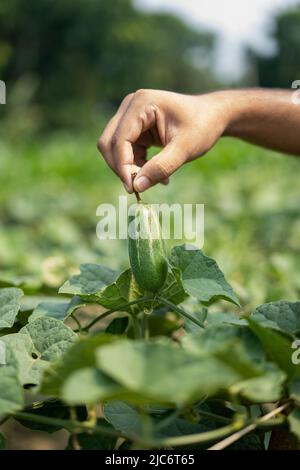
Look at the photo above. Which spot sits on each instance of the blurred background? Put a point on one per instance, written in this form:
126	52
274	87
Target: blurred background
68	64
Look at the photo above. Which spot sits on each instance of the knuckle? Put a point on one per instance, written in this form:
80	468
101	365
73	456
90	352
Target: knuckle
141	93
102	145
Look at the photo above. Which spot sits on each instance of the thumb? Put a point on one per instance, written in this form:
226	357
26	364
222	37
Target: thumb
161	166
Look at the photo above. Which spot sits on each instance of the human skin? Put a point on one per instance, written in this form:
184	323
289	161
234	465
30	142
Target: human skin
186	127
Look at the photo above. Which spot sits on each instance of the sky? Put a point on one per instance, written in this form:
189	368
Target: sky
236	22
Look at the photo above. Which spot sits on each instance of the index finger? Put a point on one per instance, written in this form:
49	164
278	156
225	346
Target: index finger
138	118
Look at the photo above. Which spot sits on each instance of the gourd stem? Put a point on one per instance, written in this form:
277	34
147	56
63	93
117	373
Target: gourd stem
138	197
117	309
179	310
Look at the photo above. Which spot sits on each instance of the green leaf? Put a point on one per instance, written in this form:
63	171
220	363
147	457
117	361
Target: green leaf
80	355
224	318
11	393
173	289
213	338
9	305
58	309
94	441
123	417
200	275
294	422
2	442
123	290
277	345
37	344
93	278
161	372
88	386
52	409
283	315
265	389
118	326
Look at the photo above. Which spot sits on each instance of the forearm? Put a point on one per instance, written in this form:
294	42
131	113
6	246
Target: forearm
264	117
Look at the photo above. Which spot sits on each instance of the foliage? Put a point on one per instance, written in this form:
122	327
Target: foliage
189	387
48	220
61	57
281	68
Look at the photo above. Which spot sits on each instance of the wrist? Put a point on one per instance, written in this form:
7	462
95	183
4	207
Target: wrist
228	107
237	111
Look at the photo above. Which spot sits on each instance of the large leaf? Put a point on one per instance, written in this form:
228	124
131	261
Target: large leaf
126	418
201	276
88	386
9	305
283	314
81	355
11	393
159	371
93	278
60	310
123	290
213	338
42	341
123	417
265	389
277	345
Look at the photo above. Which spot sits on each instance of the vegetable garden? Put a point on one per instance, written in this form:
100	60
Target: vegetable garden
159	368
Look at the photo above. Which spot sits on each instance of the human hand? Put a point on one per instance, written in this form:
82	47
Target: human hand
184	126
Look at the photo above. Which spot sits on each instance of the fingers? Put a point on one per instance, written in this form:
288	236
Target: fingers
137	119
104	142
134	117
160	167
126	138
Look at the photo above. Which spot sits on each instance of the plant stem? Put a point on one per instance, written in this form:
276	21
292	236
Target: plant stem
251	427
207	414
74	439
145	325
199	438
136	327
73	316
70	425
179	310
117	309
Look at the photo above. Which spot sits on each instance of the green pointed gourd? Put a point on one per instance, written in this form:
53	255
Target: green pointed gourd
146	249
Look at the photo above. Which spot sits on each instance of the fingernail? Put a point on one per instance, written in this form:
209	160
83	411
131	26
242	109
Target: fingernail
142	183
